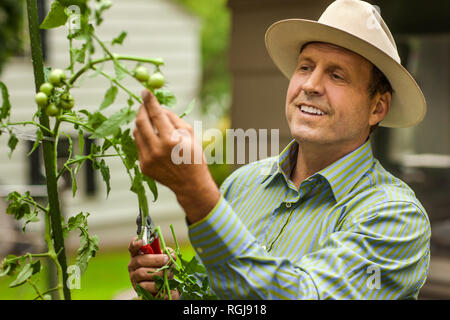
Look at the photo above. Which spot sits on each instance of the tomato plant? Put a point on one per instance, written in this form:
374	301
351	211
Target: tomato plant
111	138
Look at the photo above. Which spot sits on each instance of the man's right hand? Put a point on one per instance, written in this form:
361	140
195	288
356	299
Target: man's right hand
142	268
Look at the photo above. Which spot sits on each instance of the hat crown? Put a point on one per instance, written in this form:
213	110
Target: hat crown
362	20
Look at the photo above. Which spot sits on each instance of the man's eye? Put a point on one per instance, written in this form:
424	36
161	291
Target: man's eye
336	76
303	68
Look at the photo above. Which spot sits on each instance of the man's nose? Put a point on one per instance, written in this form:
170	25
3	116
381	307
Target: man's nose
313	84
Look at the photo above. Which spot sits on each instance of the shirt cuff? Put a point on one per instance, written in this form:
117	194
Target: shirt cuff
220	235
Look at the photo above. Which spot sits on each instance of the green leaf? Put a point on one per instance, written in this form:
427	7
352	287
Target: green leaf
110	96
31	217
80	141
152	186
104	170
129	149
79	55
78	221
12	143
56	17
89	245
119	39
17	207
74	183
138	188
165	97
37	267
5	270
23	275
6	105
144	294
120	70
95	119
39	137
112	125
88	249
106	145
194	266
189	109
101	6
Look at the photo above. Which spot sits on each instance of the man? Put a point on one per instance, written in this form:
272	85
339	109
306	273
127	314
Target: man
324	219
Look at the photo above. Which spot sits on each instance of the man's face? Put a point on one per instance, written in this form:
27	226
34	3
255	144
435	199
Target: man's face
335	81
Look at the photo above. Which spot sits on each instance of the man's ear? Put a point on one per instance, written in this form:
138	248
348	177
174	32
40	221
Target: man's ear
380	108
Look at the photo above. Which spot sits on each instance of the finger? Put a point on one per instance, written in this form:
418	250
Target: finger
149	274
148	260
134	246
144	127
176	121
149	286
157	115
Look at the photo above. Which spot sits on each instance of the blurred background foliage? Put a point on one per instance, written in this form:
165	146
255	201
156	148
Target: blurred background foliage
214	17
11	29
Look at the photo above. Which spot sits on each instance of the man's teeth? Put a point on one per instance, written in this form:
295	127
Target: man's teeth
313	110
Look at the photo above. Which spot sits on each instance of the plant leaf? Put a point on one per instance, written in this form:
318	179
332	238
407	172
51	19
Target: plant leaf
12	143
6	105
120	70
56	16
119	39
74	183
189	109
23	275
165	97
39	137
88	249
104	170
129	149
17	206
152	186
110	96
112	125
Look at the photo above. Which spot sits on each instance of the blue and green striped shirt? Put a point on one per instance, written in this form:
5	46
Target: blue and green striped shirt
350	231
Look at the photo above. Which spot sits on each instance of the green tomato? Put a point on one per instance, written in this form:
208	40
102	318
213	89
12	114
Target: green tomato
46	88
52	110
67	101
41	99
56	77
156	80
141	74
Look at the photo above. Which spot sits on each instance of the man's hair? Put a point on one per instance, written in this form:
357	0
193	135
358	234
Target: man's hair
378	84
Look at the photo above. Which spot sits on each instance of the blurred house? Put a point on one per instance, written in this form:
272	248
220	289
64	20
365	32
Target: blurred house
156	28
419	155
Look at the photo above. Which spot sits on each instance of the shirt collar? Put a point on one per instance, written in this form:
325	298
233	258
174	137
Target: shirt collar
342	175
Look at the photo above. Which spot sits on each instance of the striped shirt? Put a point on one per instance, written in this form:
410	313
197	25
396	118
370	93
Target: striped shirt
350	231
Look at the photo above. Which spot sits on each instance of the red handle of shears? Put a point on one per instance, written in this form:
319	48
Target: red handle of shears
152	248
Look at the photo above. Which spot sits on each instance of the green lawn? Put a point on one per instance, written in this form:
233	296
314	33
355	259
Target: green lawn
106	276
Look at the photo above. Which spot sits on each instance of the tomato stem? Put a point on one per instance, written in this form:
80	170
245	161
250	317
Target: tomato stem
54	235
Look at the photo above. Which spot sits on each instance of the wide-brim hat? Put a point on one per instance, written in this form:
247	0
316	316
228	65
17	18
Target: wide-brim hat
357	26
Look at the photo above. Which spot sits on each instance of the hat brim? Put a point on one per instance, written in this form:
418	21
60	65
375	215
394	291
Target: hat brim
285	38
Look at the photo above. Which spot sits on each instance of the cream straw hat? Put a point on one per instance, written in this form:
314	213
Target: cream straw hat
355	25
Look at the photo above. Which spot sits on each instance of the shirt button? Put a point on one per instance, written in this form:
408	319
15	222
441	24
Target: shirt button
200	250
264	247
288	204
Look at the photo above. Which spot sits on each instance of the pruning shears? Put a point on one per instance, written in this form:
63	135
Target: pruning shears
150	236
